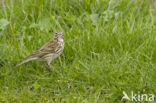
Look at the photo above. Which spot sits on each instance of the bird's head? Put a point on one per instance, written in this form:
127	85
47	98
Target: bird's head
59	34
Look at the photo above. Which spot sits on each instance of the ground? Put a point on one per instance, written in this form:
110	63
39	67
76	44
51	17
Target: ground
110	47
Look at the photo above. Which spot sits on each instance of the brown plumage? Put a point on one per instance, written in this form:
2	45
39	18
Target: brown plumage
49	51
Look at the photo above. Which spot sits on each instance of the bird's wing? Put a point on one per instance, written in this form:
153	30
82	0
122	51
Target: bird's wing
50	47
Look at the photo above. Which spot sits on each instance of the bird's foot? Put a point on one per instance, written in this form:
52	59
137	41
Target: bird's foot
49	67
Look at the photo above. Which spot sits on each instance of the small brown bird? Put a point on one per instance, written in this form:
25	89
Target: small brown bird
49	51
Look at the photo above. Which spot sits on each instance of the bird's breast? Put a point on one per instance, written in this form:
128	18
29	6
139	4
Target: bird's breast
61	47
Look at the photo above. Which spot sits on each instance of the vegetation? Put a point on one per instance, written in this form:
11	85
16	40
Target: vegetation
110	47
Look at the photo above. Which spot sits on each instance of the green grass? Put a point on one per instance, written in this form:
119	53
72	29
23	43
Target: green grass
110	47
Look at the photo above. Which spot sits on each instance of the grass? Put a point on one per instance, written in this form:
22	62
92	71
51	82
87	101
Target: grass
110	47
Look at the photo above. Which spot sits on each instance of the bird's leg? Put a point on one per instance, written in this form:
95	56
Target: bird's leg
46	66
51	67
60	61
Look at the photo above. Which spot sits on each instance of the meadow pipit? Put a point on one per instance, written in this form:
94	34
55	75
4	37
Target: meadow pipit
49	51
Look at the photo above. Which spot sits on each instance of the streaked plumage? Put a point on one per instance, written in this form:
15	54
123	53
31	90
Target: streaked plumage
49	51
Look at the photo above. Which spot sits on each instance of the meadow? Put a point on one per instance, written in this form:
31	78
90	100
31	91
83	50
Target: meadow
110	47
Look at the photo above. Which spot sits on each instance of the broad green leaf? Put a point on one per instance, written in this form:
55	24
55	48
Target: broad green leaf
3	23
36	85
44	24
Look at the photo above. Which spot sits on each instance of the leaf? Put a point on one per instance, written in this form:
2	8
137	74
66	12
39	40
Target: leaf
3	23
113	4
94	18
68	19
44	24
33	25
36	85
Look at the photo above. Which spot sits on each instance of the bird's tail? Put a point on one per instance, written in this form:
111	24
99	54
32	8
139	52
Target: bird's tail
24	61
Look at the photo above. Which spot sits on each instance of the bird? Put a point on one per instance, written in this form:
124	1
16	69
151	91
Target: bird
49	51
